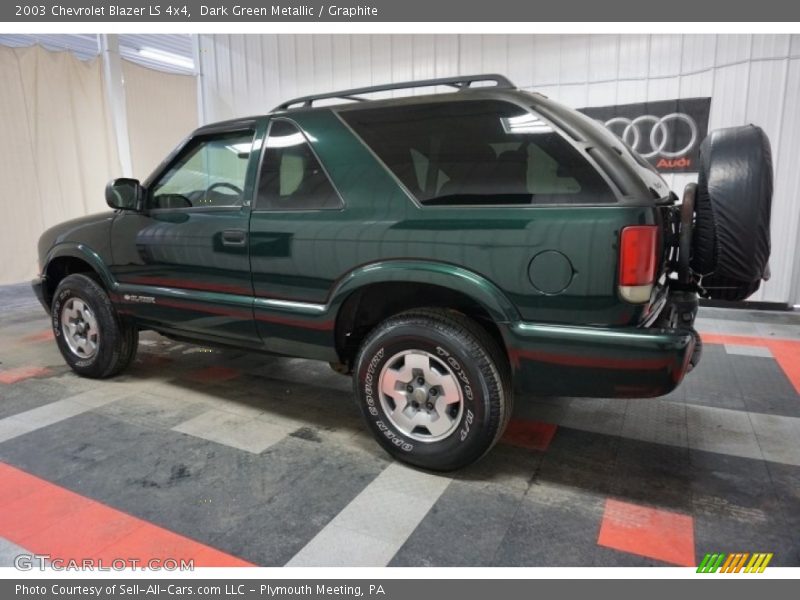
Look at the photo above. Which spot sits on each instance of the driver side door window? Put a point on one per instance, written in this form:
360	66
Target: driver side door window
211	173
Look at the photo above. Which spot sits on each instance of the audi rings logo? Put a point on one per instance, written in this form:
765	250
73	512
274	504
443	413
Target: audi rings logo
666	133
657	141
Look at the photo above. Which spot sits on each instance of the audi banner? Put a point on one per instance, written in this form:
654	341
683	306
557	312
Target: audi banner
667	133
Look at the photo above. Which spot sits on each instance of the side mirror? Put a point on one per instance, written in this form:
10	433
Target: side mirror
125	194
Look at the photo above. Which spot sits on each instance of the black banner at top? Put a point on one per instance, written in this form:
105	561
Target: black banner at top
183	11
667	133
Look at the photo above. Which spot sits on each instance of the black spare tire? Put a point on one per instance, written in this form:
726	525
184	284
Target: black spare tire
731	239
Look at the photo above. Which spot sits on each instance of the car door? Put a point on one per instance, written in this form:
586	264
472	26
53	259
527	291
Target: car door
293	236
183	261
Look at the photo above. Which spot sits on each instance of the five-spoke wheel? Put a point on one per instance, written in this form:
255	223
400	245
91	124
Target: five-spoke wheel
79	326
434	388
420	395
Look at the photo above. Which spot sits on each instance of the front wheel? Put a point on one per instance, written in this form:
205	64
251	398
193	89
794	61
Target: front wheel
433	387
93	339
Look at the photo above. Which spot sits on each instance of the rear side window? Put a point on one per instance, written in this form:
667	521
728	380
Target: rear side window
483	152
291	176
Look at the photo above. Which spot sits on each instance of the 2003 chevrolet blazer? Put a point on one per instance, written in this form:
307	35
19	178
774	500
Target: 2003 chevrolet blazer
445	249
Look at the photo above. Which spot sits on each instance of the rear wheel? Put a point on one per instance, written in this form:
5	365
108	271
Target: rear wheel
93	339
434	388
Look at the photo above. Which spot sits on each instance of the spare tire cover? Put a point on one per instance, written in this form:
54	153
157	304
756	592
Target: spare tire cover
733	205
719	287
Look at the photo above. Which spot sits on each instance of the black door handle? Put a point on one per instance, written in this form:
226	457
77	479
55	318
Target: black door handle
234	237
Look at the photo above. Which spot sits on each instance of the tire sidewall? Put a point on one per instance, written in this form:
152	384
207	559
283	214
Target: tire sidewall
83	290
468	441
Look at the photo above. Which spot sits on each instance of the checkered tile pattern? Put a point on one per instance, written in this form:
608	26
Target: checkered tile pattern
236	458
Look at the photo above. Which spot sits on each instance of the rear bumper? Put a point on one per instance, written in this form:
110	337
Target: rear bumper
38	288
554	360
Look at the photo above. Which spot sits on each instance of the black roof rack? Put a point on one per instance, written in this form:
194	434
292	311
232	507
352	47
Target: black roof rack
460	83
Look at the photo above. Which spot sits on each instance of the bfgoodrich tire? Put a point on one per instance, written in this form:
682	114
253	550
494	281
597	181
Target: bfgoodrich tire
434	388
93	339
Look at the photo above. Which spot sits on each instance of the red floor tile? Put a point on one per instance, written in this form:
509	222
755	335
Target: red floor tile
787	353
93	526
740	340
15	484
650	532
533	435
213	373
49	519
9	376
36	511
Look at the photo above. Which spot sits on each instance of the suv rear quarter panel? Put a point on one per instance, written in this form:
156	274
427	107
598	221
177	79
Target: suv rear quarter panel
302	255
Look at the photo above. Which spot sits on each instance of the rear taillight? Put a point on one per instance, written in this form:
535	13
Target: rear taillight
637	262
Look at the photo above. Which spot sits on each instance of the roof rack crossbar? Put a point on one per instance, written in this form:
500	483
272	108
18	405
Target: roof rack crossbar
460	83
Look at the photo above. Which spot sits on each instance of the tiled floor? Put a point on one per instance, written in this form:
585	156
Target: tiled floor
233	458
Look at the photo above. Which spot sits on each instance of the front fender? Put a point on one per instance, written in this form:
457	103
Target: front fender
453	277
84	253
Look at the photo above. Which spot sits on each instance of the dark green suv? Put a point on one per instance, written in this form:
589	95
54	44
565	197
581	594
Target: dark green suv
446	249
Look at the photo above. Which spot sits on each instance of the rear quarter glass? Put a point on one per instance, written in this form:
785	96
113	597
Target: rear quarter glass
479	152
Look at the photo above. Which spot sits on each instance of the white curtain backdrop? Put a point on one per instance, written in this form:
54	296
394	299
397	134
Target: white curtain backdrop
161	109
57	150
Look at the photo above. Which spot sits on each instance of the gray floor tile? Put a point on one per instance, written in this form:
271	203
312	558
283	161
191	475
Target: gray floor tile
11	428
722	431
29	394
747	350
9	552
337	546
653	475
464	528
151	410
765	387
775	435
249	433
579	460
713	382
554	525
388	509
599	415
657	421
67	447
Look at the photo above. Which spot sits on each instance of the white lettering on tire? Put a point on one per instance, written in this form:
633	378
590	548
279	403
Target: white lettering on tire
369	380
369	398
469	417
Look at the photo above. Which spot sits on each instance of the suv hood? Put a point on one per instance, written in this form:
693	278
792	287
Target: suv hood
91	230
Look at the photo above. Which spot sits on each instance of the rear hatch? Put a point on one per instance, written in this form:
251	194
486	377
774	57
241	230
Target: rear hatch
636	179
